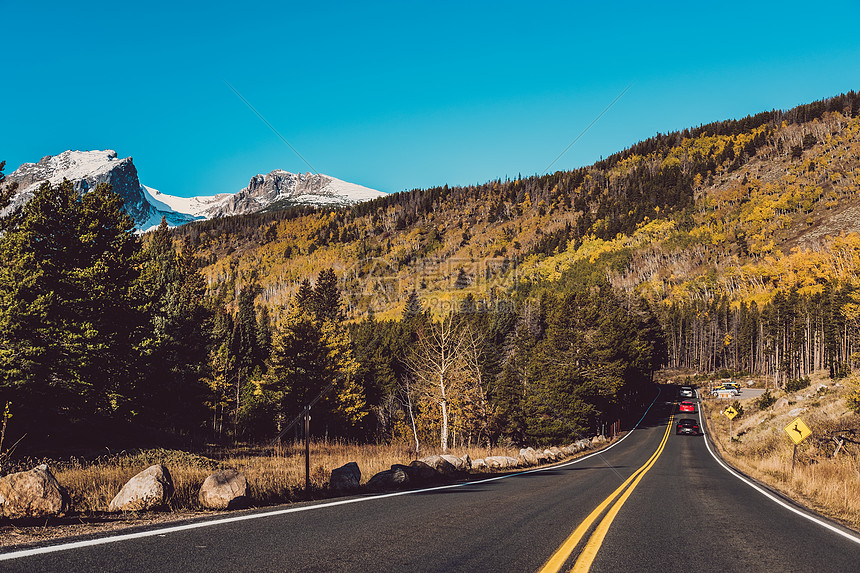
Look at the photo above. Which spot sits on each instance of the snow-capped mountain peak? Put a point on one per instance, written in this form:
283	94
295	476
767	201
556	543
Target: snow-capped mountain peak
147	206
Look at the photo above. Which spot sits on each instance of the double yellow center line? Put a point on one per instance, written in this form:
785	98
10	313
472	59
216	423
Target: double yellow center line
586	557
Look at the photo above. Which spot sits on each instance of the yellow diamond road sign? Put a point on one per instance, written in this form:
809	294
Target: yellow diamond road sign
797	431
731	413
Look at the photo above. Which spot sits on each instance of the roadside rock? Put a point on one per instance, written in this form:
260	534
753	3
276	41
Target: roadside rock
440	464
225	489
598	440
583	444
420	472
559	455
781	403
149	489
796	411
34	493
459	464
479	464
501	462
528	456
395	478
345	478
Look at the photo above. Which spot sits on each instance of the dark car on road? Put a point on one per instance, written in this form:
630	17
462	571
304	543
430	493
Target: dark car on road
687	426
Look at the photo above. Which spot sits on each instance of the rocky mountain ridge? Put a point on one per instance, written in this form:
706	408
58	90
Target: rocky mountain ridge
275	190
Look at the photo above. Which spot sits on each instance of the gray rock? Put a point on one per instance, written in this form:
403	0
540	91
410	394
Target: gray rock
395	478
559	455
501	462
542	458
583	444
598	440
225	489
34	493
149	489
467	459
419	472
440	464
796	411
528	456
479	464
345	478
459	463
781	403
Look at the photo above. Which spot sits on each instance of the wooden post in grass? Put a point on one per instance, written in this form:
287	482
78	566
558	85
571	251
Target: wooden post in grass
307	449
793	458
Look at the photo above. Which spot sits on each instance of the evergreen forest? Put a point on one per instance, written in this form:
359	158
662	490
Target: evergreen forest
532	310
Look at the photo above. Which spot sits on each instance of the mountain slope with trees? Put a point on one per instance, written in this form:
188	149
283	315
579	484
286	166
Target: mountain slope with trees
531	310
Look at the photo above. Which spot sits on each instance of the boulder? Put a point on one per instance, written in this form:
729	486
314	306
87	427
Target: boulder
569	450
549	455
34	493
479	464
345	478
225	489
559	455
459	463
467	459
781	403
149	489
528	457
583	444
501	462
598	440
796	412
419	472
440	464
395	478
542	458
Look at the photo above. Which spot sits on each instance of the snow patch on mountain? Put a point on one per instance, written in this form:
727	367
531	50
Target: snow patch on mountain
147	206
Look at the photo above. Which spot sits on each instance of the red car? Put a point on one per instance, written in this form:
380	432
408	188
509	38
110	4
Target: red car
686	406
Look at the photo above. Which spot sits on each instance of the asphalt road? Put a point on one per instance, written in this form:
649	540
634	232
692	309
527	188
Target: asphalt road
684	513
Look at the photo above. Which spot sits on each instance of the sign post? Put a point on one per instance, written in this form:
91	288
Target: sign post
307	449
797	431
306	416
730	414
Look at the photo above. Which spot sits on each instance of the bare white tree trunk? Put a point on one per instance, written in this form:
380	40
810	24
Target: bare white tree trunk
437	364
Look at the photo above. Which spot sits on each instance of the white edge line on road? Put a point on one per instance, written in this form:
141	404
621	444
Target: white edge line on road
769	495
211	523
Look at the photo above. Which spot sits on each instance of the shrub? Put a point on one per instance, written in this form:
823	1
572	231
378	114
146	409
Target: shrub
853	398
797	384
737	406
765	401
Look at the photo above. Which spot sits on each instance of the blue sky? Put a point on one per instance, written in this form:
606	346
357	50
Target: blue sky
397	95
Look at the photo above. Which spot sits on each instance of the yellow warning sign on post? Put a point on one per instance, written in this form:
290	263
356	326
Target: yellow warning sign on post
798	431
730	413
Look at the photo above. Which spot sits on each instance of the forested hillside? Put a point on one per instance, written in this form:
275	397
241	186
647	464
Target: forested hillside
743	234
530	310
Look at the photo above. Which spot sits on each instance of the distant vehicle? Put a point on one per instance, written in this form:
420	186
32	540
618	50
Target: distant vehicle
734	385
687	426
686	392
686	406
722	389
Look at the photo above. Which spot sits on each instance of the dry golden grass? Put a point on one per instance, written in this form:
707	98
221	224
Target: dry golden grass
274	476
760	447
